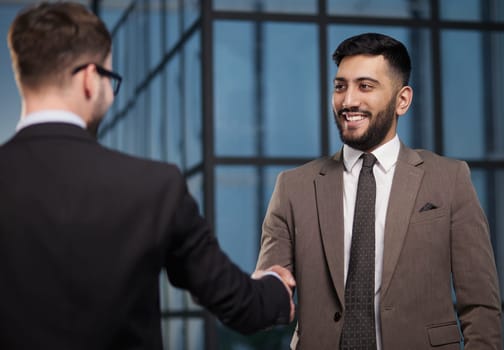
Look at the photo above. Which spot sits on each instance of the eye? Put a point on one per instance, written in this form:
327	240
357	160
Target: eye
338	87
366	86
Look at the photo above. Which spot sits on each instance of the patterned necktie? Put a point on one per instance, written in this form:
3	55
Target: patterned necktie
359	321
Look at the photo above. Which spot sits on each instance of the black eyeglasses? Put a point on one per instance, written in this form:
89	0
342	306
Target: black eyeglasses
115	79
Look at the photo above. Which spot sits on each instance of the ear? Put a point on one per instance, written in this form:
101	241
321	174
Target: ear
90	82
404	98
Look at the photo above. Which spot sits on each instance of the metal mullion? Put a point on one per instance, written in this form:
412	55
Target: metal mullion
163	127
207	18
323	28
148	98
437	79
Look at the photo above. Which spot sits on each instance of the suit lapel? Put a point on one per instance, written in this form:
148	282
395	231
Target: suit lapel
407	180
329	193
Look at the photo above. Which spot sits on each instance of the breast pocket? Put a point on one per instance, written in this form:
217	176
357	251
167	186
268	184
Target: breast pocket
429	215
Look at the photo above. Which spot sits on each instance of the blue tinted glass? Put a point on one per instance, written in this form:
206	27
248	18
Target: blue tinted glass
460	9
463	94
415	128
173	131
266	89
471	10
172	23
154	39
110	15
291	125
120	58
195	334
285	6
9	96
191	12
242	197
235	112
173	331
156	120
380	8
193	116
238	215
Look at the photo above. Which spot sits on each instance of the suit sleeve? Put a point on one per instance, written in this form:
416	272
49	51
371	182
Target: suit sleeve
195	262
276	240
474	273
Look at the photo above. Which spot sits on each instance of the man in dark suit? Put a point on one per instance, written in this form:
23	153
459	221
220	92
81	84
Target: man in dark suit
426	231
85	231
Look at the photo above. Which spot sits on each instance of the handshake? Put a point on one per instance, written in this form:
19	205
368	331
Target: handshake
287	279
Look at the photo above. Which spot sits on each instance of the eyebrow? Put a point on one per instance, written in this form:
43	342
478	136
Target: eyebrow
358	79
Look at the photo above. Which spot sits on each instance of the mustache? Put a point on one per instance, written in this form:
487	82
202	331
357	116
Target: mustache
353	110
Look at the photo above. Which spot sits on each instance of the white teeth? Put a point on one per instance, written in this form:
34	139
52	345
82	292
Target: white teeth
353	118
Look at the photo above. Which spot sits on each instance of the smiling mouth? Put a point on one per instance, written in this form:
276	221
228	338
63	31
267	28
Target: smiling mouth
353	116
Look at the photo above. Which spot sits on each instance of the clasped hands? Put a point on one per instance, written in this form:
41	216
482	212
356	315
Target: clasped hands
286	278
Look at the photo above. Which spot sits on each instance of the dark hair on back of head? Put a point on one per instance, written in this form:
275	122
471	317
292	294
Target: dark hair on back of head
394	52
47	40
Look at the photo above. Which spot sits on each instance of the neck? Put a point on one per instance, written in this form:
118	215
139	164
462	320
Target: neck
35	102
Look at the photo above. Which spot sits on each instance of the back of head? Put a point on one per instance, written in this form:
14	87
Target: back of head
374	44
48	40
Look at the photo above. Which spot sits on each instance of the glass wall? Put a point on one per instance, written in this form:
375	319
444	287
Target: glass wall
233	92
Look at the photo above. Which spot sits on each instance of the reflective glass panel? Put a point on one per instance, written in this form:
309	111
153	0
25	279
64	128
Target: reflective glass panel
415	128
380	8
266	89
238	215
9	96
154	39
172	23
156	118
235	111
284	6
472	94
173	130
191	12
471	10
193	115
242	197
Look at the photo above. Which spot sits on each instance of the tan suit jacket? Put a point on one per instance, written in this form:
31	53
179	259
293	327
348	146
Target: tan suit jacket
423	249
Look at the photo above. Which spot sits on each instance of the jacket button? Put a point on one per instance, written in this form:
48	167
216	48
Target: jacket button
337	316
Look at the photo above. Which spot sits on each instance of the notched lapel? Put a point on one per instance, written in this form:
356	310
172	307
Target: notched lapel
407	179
329	192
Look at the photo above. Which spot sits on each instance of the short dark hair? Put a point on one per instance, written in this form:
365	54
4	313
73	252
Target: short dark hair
394	52
48	39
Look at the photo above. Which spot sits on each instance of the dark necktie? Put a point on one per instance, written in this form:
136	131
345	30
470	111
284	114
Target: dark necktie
359	321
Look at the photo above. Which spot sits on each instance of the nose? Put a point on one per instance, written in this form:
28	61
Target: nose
350	98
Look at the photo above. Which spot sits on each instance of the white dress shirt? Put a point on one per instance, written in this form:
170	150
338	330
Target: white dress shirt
383	171
50	116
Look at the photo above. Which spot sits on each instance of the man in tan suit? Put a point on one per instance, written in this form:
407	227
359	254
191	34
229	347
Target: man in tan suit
430	232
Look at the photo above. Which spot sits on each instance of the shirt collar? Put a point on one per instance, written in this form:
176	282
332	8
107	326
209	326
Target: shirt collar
50	116
386	155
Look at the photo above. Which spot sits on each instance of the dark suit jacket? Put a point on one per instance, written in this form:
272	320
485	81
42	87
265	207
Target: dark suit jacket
423	249
84	234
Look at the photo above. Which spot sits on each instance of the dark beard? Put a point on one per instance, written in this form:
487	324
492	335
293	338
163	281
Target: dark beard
377	131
